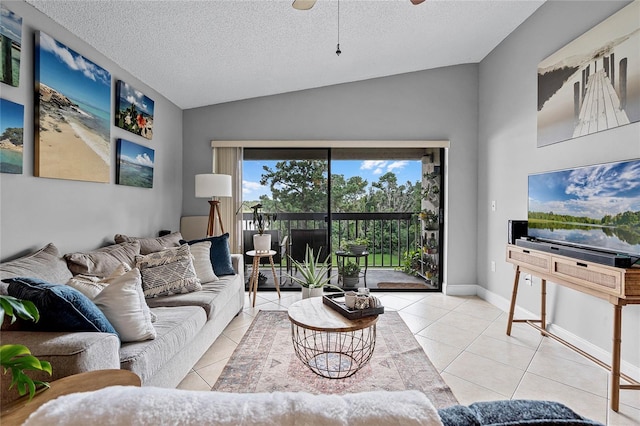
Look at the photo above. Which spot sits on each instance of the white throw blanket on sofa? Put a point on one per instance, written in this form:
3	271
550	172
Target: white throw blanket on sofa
128	405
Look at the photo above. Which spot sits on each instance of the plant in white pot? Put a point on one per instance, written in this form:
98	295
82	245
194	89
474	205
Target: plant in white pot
314	276
261	221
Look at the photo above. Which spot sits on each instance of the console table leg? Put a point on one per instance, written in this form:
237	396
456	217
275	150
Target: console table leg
543	305
615	355
514	295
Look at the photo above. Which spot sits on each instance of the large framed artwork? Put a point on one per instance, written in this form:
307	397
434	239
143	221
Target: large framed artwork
135	164
593	83
134	111
11	136
73	105
11	41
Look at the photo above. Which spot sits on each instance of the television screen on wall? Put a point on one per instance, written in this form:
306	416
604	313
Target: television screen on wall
595	207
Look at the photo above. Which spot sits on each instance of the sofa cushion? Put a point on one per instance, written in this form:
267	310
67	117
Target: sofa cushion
213	296
45	264
168	272
123	303
175	328
61	307
152	245
202	261
220	254
103	261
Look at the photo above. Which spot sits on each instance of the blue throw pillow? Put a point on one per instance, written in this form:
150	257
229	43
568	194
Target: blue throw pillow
62	308
219	254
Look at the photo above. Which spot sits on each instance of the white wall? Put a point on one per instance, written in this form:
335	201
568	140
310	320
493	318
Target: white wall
429	105
508	153
83	215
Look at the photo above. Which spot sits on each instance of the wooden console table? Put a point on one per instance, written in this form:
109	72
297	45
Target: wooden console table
618	286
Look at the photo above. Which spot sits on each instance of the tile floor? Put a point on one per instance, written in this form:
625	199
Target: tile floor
465	339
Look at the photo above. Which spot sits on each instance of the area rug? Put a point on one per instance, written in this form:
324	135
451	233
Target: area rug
265	361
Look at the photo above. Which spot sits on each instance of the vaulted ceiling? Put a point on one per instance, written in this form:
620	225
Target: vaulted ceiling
199	53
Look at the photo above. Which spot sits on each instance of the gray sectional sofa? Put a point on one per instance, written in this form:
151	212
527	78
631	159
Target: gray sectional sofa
185	325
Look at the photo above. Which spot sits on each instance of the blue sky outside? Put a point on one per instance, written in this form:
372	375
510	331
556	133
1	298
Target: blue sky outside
136	154
591	191
73	75
12	115
370	170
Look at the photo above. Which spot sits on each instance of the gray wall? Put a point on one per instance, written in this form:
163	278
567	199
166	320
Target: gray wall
83	215
508	153
428	105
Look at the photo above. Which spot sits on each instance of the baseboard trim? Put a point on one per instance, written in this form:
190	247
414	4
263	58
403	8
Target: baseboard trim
460	289
503	304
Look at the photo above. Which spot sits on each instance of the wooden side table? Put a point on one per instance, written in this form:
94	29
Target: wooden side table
253	280
16	412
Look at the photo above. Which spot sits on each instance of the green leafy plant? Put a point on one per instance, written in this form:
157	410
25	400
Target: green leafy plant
314	272
350	269
261	220
16	359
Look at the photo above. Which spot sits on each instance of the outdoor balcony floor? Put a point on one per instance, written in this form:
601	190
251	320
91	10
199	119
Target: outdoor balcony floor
378	278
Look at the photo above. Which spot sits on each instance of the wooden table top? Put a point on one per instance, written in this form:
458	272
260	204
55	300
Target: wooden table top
254	253
16	412
312	314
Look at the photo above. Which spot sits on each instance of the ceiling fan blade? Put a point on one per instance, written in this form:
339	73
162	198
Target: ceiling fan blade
416	1
304	4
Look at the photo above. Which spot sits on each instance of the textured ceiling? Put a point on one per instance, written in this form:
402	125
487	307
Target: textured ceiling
200	53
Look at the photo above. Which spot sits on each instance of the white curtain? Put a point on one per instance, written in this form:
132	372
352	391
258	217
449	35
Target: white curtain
228	161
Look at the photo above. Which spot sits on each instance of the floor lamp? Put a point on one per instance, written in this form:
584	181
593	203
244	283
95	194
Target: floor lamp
213	186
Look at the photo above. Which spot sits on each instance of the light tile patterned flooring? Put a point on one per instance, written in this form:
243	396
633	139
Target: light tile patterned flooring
465	339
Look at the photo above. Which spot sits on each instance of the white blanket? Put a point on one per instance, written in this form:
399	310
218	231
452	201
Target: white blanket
128	405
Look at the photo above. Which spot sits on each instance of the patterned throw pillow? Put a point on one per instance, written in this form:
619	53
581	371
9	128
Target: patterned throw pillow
152	245
168	272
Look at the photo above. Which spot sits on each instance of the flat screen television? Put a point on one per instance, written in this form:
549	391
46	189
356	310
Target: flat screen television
593	207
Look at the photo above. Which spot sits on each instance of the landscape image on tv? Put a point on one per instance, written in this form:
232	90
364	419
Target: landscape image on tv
595	207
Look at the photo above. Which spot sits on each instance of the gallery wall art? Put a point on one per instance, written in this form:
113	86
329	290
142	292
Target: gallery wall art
11	42
73	121
11	136
134	111
135	164
593	83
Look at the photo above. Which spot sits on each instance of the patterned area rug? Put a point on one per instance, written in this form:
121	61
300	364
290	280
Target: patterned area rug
265	361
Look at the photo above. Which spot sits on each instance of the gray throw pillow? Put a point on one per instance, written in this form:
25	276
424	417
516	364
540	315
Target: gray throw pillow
103	261
152	245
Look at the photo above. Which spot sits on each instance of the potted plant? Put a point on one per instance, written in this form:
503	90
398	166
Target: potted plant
350	274
313	274
261	221
357	245
430	219
17	358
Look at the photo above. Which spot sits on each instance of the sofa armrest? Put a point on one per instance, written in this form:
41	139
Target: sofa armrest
68	352
237	261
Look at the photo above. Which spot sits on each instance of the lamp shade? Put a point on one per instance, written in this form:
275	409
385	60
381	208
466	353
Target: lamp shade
213	185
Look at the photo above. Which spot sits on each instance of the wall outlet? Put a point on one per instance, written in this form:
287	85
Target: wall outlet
527	279
493	266
493	205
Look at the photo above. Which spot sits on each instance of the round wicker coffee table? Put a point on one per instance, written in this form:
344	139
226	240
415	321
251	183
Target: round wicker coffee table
327	342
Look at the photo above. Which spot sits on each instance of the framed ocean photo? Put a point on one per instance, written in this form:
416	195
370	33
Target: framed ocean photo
73	114
11	136
134	110
11	41
135	164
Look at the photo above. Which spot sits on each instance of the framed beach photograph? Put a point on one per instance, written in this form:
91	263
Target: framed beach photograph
134	111
135	164
593	83
11	41
11	136
73	119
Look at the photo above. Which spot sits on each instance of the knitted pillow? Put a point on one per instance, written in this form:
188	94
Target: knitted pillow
168	272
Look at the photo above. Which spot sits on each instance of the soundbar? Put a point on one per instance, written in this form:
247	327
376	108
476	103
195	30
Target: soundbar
604	258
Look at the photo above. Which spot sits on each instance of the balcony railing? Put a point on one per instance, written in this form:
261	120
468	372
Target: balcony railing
390	235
